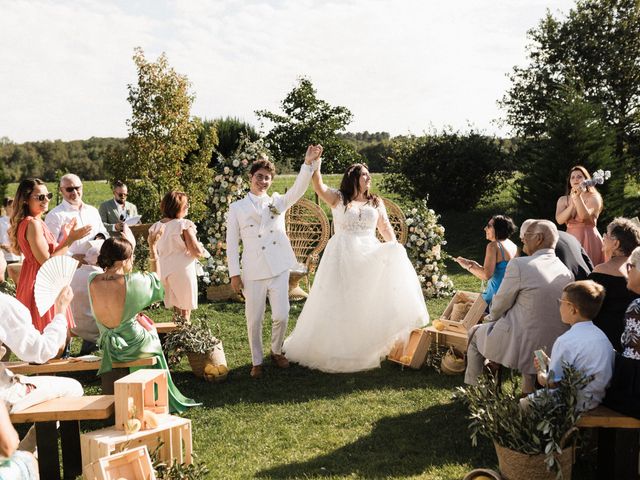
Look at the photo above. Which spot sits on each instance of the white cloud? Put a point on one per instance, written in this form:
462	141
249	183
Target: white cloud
399	66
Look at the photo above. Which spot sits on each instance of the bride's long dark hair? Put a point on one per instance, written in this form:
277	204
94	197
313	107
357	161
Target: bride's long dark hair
349	187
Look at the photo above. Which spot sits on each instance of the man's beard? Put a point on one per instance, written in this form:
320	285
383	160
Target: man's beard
120	201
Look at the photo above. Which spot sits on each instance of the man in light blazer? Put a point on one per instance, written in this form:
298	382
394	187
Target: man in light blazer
257	221
524	314
115	211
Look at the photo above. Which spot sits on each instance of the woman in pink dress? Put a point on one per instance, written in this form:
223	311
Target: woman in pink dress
579	209
178	250
30	236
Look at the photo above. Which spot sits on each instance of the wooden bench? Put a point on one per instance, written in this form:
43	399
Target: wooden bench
68	411
618	437
165	327
69	365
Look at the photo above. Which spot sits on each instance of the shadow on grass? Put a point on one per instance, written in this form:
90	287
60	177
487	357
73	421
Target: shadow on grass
401	446
297	384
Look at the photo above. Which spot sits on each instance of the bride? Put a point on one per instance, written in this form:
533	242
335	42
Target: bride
366	295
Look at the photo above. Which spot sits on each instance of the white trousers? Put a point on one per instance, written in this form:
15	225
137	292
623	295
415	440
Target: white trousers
255	294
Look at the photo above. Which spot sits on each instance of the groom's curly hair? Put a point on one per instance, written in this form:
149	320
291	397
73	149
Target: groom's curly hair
263	162
350	185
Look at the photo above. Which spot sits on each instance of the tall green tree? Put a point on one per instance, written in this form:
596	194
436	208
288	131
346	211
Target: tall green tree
162	139
306	119
596	49
230	131
576	134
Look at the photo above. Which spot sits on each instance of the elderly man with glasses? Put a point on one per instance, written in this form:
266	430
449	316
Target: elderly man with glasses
71	207
116	211
524	315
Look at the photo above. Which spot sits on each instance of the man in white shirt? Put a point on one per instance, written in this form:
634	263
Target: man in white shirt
28	344
73	207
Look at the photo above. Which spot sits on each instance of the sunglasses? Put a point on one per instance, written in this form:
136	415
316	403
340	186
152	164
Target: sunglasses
630	266
122	195
71	189
43	196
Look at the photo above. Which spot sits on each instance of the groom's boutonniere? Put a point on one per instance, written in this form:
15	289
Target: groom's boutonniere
273	209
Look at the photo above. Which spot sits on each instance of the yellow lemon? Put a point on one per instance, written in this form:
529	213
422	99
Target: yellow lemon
438	325
482	477
405	359
211	369
223	369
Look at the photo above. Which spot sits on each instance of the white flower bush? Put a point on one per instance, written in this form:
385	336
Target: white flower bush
424	247
230	183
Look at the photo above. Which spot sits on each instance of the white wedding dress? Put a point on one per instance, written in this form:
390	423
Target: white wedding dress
365	297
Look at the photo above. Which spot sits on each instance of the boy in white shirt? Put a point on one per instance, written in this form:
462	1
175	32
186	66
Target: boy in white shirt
584	346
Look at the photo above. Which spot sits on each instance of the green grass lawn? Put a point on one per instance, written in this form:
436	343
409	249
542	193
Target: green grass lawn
387	423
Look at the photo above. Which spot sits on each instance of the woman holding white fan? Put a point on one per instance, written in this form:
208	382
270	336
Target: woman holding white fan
30	236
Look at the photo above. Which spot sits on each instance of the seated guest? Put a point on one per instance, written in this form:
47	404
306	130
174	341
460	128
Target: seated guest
178	253
18	333
621	238
624	393
5	244
570	252
114	212
522	317
72	207
117	296
14	464
498	253
584	346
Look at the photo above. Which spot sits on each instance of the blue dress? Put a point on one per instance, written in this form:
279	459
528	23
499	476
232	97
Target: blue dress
496	279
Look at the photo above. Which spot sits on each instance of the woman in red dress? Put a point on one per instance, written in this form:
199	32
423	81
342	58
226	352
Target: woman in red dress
30	236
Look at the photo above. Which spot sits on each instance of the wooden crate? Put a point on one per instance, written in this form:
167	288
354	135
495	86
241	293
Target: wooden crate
449	338
132	464
149	391
414	353
473	316
174	432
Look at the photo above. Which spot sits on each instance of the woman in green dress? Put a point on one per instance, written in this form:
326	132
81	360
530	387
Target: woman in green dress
117	296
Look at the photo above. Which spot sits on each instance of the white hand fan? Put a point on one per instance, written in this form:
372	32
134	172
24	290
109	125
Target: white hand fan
54	274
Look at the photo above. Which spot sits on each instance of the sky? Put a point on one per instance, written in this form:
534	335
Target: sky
401	66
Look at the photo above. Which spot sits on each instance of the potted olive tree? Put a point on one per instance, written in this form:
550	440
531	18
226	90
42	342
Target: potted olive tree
532	443
203	350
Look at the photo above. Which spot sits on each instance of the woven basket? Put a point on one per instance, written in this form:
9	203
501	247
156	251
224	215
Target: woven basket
473	474
198	361
520	466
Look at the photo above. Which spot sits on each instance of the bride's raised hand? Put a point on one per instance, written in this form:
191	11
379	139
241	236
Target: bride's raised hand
313	154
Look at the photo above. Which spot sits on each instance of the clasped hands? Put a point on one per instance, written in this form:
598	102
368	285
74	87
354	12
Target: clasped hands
314	152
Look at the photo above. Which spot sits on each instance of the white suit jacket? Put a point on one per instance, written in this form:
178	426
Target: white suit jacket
526	311
266	250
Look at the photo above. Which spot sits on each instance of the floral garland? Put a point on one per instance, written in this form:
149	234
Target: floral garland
230	183
424	247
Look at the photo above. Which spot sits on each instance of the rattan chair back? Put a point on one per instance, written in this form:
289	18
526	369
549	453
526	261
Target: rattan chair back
308	230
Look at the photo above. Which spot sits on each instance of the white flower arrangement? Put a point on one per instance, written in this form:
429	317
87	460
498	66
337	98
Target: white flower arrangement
424	247
230	183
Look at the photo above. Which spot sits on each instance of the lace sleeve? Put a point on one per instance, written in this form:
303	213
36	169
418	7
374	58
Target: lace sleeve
384	225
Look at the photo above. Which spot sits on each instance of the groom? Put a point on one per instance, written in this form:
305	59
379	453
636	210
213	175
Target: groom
258	221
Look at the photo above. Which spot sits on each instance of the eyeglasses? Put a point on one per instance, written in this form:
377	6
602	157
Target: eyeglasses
43	196
630	266
562	300
71	189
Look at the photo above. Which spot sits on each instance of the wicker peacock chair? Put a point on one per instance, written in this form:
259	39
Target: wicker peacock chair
308	230
398	221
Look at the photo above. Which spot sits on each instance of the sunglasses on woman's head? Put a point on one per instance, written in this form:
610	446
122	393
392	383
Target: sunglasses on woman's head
71	189
630	266
43	196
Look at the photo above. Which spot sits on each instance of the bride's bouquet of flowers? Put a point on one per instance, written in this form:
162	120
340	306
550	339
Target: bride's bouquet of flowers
424	247
230	183
597	178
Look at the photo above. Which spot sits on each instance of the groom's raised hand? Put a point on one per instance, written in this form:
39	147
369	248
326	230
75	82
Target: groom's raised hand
313	153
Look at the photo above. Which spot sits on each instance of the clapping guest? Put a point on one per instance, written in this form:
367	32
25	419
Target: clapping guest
497	254
621	238
116	211
31	236
73	208
178	251
579	209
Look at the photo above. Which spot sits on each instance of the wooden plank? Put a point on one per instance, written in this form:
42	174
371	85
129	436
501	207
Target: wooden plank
604	417
67	365
96	407
165	327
